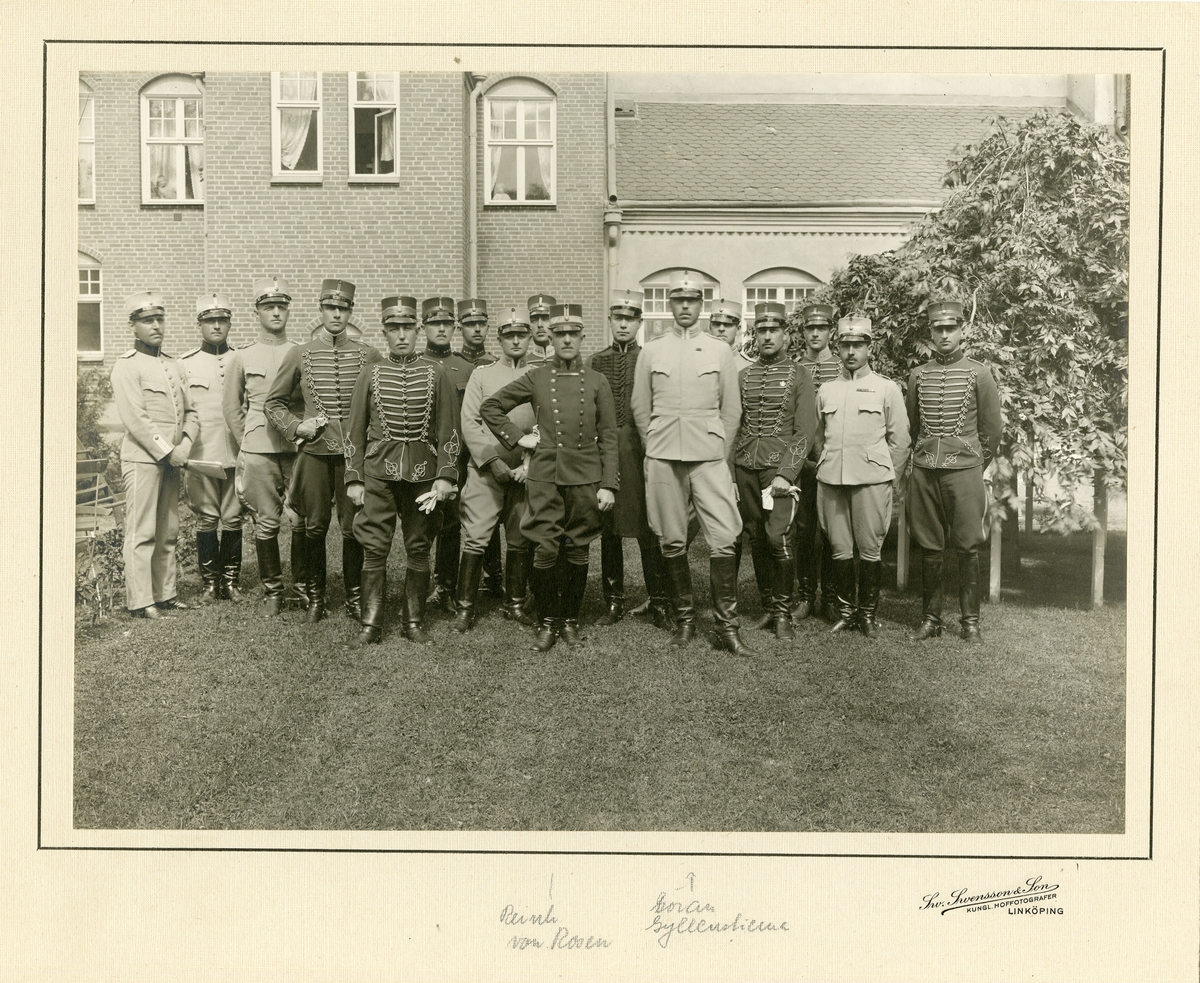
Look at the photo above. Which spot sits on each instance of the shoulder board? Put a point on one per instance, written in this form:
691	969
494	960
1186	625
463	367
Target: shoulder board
130	353
982	364
188	354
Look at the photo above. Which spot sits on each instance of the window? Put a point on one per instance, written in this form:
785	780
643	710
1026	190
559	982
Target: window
373	104
90	342
296	126
656	309
788	286
173	140
519	160
87	146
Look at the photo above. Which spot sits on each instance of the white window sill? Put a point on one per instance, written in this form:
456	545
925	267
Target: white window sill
308	177
87	201
520	204
89	356
374	179
172	202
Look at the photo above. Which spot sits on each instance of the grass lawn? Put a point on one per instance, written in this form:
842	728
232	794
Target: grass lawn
220	719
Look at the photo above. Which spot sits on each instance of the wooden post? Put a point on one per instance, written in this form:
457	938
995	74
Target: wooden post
902	548
1029	503
1099	536
994	579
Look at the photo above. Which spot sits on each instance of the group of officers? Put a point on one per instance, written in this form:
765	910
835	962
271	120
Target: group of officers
801	457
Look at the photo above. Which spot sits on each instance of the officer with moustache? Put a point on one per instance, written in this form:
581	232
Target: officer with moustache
160	428
723	324
540	346
323	373
214	500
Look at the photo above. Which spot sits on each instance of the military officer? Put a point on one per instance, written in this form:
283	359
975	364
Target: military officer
811	548
723	324
402	447
214	500
687	407
627	519
160	427
572	472
778	425
494	492
954	412
323	373
264	465
437	315
862	444
540	347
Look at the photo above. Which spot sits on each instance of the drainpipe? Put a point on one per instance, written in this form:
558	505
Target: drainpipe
612	214
473	231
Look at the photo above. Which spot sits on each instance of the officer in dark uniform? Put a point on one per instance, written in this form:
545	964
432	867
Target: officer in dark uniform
437	315
724	322
809	544
572	471
323	372
777	427
627	520
954	412
402	446
540	348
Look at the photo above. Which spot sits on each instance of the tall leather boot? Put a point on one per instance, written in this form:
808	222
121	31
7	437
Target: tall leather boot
654	572
231	564
299	592
968	596
829	580
416	587
931	597
805	547
612	575
374	592
470	569
870	573
352	565
679	585
208	549
445	568
840	589
493	571
785	576
764	578
270	572
516	584
723	582
544	582
314	551
571	599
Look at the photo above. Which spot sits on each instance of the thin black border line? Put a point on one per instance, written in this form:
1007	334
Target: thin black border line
618	45
620	853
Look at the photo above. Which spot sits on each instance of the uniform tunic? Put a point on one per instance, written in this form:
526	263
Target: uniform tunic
153	404
686	406
956	424
402	434
458	370
824	367
264	466
323	372
627	518
214	500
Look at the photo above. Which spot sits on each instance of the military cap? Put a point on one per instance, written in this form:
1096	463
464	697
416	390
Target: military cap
472	310
398	310
437	309
726	312
212	306
945	312
540	304
685	284
854	328
271	288
626	302
769	312
145	302
515	322
817	314
337	292
566	316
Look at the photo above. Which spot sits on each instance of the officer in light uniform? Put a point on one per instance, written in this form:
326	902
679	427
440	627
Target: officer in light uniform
572	470
160	427
402	447
264	466
723	324
687	408
862	449
811	548
494	493
214	501
777	428
323	373
540	347
954	410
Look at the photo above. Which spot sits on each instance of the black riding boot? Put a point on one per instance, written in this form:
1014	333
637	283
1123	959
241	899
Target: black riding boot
544	581
679	585
612	574
374	591
516	585
968	596
870	573
785	576
270	573
723	581
470	569
571	600
446	568
764	579
931	597
352	566
300	587
314	551
654	572
416	587
840	590
829	581
493	572
231	564
208	549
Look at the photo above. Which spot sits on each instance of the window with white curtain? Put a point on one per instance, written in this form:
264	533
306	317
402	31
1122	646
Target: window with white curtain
373	110
87	145
296	126
90	339
173	140
519	128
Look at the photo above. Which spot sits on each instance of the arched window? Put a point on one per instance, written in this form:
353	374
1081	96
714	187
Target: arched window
89	345
519	162
656	309
173	140
87	145
785	284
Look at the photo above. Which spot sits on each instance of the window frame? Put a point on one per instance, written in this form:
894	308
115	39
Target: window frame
86	262
86	90
278	174
147	94
352	103
497	94
657	283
